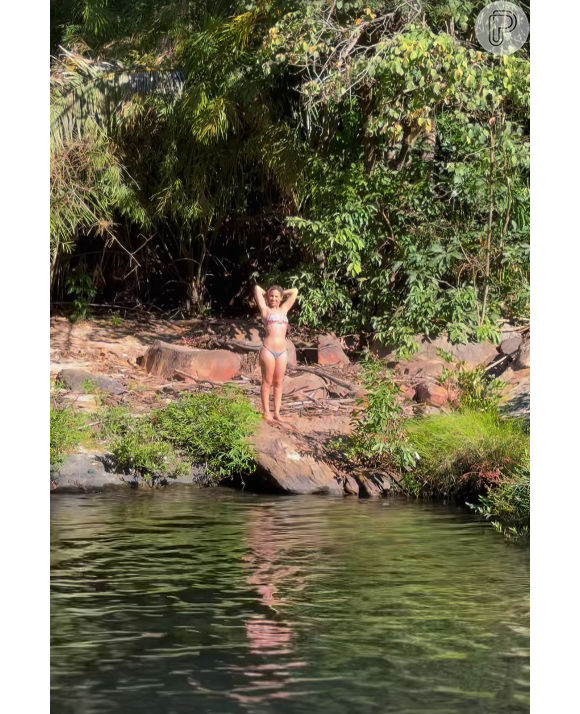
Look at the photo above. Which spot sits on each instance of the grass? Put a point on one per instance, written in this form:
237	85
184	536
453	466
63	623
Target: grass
474	456
67	430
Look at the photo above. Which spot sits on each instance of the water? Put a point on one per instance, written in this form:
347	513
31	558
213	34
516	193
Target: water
214	601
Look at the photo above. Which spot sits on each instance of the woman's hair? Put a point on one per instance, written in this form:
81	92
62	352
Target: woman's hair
275	287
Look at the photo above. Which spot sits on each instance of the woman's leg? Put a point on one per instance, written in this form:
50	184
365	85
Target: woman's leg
279	371
268	364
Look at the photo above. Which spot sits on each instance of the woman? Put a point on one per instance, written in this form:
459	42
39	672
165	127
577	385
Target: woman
274	355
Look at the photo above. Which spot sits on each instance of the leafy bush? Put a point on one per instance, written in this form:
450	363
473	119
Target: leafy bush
198	428
66	432
474	389
140	450
80	286
212	429
378	439
507	506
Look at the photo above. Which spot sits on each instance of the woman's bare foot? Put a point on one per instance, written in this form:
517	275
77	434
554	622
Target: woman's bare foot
268	417
281	419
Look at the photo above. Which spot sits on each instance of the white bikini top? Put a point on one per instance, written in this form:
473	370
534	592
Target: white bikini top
279	319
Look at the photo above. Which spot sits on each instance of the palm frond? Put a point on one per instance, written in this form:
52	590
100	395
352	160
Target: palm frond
87	96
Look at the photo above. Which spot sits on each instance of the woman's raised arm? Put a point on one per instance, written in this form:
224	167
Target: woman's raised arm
291	296
259	295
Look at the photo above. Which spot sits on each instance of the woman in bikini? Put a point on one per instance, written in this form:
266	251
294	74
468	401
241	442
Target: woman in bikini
274	355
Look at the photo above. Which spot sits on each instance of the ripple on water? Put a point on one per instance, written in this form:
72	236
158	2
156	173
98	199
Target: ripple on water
219	601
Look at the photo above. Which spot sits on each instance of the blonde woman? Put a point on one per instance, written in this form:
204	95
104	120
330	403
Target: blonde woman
274	305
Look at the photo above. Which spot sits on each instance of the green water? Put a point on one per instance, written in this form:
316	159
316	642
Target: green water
214	601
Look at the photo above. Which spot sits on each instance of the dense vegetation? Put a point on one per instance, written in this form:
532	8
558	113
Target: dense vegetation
211	430
469	453
367	152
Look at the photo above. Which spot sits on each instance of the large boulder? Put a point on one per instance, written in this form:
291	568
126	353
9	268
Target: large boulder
78	380
330	351
426	368
305	384
473	353
165	360
286	463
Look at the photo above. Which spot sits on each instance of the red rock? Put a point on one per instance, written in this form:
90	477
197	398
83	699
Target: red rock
285	461
214	365
433	394
373	484
423	368
330	351
351	486
408	392
246	331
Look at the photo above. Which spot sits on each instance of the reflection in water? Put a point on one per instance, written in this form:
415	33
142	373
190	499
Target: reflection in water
270	638
216	601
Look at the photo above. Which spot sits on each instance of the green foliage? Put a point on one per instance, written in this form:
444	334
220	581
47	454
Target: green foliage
140	450
465	454
378	439
478	391
209	429
80	286
507	506
67	430
137	445
212	429
359	150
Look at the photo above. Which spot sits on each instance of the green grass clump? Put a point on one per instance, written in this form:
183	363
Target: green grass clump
463	453
67	430
474	456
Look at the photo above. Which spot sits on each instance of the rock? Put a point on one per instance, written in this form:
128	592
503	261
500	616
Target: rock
351	486
373	484
523	358
284	462
306	383
247	331
59	366
330	351
164	360
515	399
423	368
84	472
77	381
511	345
473	353
307	353
432	394
83	402
292	360
408	392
